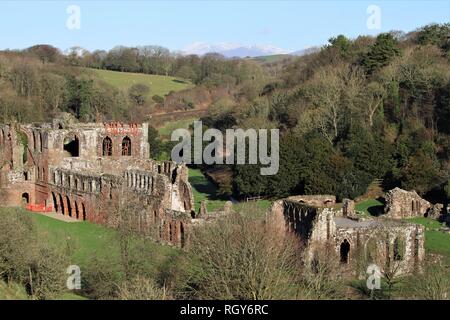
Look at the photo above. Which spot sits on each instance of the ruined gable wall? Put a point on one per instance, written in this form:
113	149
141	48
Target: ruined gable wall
405	204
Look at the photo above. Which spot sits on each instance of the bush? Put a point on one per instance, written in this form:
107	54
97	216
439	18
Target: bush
158	99
241	257
25	257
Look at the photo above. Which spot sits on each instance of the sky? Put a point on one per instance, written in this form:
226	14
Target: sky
288	25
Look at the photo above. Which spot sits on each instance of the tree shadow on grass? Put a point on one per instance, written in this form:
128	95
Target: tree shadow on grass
179	81
205	187
377	210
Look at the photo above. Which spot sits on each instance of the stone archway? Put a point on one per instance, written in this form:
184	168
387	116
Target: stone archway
55	202
344	251
69	207
61	202
107	147
182	235
126	146
25	198
83	212
77	211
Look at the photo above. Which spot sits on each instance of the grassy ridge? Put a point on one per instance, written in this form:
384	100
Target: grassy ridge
159	85
169	126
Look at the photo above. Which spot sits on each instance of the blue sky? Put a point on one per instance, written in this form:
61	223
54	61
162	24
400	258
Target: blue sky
290	25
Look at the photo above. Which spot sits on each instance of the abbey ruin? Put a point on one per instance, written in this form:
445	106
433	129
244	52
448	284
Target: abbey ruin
387	241
84	171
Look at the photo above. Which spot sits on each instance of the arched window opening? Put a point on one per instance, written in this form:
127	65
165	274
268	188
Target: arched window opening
399	249
61	201
107	147
126	146
170	232
25	198
69	207
77	212
34	141
83	211
72	146
55	202
345	250
40	142
174	176
182	236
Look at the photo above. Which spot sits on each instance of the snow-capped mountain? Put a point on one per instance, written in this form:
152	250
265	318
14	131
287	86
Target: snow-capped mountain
233	49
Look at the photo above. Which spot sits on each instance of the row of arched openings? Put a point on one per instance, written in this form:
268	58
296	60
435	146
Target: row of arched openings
398	250
65	206
107	148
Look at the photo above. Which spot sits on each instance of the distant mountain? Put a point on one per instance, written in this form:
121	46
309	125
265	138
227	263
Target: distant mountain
230	50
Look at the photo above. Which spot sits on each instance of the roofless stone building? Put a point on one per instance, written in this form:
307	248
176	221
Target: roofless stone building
82	170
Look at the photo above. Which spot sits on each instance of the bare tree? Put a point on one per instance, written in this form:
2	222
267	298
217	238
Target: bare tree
240	257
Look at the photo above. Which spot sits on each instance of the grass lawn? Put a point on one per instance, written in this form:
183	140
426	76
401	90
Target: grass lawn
85	241
436	241
159	85
169	126
204	190
370	207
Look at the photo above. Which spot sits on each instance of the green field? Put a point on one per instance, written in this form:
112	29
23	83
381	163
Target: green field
272	58
169	126
370	207
85	241
204	189
436	241
159	85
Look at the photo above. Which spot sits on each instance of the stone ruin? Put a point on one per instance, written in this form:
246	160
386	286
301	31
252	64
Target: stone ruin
402	204
390	241
82	170
315	200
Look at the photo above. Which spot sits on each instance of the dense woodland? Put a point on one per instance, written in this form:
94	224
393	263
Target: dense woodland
355	111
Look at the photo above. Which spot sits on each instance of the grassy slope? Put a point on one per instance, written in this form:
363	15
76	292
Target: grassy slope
169	126
369	207
159	85
86	241
204	190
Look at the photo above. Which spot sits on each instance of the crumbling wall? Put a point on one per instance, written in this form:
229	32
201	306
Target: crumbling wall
407	204
68	172
315	200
